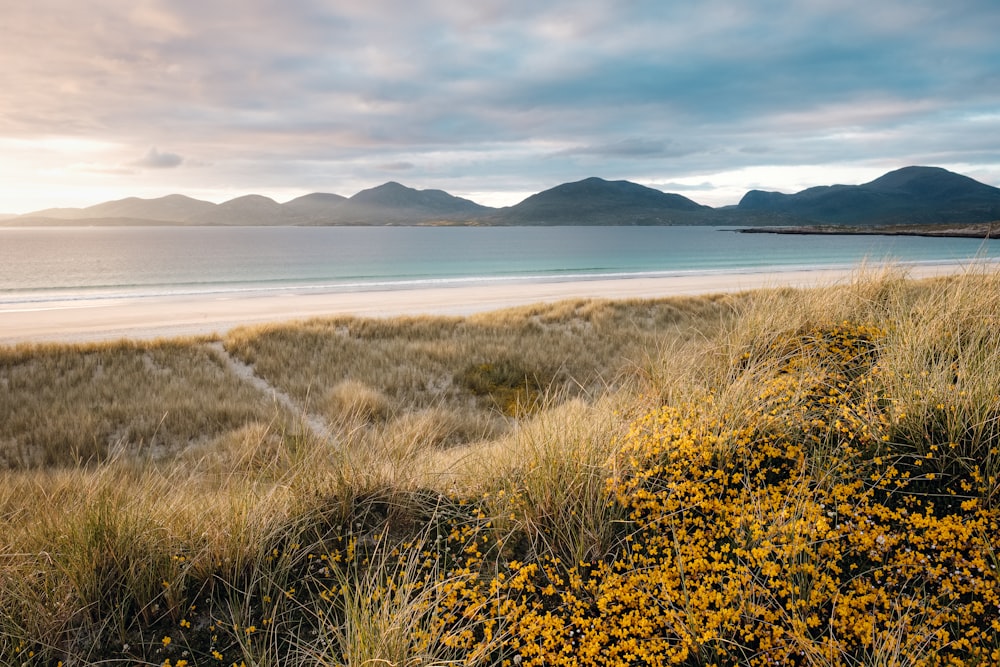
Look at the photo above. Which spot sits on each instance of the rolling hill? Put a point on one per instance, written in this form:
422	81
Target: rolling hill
390	203
595	201
393	203
911	195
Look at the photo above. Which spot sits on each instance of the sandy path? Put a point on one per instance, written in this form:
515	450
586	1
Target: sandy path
155	317
246	373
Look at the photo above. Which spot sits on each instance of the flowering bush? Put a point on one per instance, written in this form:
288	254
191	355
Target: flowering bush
798	533
823	519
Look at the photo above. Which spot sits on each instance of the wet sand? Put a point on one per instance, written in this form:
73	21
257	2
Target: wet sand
188	315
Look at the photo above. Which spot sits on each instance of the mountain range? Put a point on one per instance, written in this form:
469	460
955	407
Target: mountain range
911	195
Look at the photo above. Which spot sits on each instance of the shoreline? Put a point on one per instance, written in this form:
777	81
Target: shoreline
145	318
984	231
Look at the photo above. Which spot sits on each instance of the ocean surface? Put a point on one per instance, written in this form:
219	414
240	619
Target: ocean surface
54	264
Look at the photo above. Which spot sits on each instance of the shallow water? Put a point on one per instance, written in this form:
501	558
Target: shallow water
43	264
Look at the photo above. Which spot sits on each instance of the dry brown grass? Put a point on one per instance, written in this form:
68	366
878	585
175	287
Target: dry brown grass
235	476
78	404
72	405
469	372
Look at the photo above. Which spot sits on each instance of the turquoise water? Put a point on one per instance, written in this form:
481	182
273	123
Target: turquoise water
40	264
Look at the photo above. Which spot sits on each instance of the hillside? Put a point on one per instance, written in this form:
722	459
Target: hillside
393	203
595	201
914	195
315	207
172	208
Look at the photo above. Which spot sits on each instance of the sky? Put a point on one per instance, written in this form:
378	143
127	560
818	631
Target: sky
492	100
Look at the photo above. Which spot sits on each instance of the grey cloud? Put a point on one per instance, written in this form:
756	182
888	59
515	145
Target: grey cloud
401	165
154	159
634	147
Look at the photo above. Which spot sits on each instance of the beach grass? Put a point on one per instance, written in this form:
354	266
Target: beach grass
781	477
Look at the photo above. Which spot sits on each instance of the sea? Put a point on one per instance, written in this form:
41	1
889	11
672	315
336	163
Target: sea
41	264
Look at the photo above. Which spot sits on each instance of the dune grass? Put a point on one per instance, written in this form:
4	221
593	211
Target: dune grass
77	405
786	477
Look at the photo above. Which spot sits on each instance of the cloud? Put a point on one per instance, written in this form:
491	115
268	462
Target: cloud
502	95
154	159
401	165
631	148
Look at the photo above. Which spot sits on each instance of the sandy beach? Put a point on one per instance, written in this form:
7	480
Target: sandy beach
156	317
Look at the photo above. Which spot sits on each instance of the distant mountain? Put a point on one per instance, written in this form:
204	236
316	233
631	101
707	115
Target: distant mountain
390	203
245	210
315	208
595	201
393	203
913	195
172	208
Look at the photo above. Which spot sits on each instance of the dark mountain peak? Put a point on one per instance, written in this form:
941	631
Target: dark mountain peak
396	196
601	185
596	201
908	175
929	182
316	198
593	182
391	193
913	195
600	192
756	200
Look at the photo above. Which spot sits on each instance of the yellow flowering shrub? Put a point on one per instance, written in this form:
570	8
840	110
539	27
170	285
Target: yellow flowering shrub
800	533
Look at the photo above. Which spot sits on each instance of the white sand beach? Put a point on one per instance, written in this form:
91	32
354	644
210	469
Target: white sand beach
157	317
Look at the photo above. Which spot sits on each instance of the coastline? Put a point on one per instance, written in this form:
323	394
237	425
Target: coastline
985	230
207	314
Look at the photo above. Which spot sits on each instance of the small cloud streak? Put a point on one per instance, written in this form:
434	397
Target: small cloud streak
631	148
154	159
400	165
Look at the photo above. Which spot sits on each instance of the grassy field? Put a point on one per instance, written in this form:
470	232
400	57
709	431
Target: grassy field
786	477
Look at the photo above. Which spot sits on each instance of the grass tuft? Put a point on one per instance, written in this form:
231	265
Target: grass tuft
782	477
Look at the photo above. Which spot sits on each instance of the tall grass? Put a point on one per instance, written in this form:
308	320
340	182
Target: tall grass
408	364
552	488
778	477
67	405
